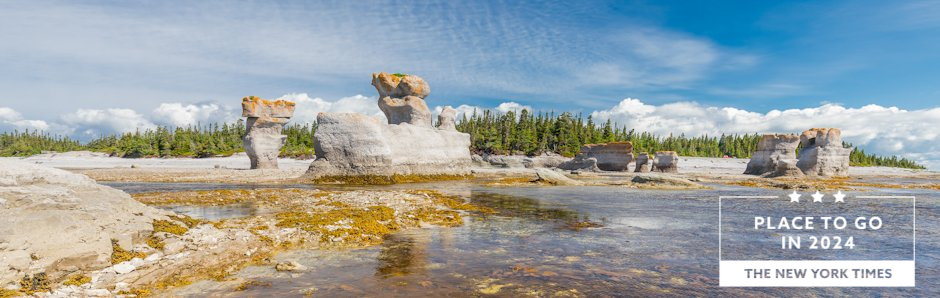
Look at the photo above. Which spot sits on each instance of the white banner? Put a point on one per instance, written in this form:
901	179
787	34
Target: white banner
816	273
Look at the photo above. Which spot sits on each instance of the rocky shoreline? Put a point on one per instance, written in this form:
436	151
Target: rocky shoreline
153	250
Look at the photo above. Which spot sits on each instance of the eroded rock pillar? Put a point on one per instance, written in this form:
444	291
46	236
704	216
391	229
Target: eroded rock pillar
265	120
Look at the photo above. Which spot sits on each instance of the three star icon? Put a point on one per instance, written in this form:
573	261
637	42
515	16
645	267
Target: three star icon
817	197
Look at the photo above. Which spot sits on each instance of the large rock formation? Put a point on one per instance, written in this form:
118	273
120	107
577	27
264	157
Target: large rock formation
401	98
614	156
349	144
263	139
666	162
642	163
822	153
55	222
771	149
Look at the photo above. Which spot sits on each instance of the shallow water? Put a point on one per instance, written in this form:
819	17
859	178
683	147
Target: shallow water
652	243
213	213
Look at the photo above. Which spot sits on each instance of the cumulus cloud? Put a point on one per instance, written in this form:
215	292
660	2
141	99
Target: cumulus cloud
11	119
512	106
878	129
307	108
94	122
178	114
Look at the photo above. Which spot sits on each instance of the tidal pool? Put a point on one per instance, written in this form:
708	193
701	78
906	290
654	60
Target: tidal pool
640	243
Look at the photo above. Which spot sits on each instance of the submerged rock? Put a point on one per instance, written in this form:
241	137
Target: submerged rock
666	162
290	266
771	150
55	222
555	178
667	181
263	139
350	144
822	153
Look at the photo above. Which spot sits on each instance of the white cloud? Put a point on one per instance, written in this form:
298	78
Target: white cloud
94	122
307	108
878	129
177	114
11	119
512	106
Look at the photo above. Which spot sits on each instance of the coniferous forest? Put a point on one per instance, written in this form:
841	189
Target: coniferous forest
490	132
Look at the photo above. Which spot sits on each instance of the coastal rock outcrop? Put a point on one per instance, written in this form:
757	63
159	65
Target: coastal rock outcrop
642	163
548	160
55	222
666	162
615	156
771	149
350	144
580	164
822	153
263	139
554	178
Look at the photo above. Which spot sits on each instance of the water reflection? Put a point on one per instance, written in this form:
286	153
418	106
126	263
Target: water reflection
213	213
400	255
528	208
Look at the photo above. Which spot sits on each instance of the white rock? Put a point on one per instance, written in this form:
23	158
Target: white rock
555	178
124	268
64	220
350	144
153	257
97	293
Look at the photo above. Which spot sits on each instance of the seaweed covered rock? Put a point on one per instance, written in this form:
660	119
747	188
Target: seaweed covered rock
263	139
771	149
642	163
354	145
666	162
822	153
55	222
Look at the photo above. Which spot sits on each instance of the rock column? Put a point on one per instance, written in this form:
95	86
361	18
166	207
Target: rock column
263	139
666	162
822	153
401	98
771	149
642	163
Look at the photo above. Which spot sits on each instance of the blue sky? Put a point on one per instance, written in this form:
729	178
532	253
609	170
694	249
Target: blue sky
70	63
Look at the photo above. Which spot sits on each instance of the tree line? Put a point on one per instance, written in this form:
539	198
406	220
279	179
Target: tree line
490	133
